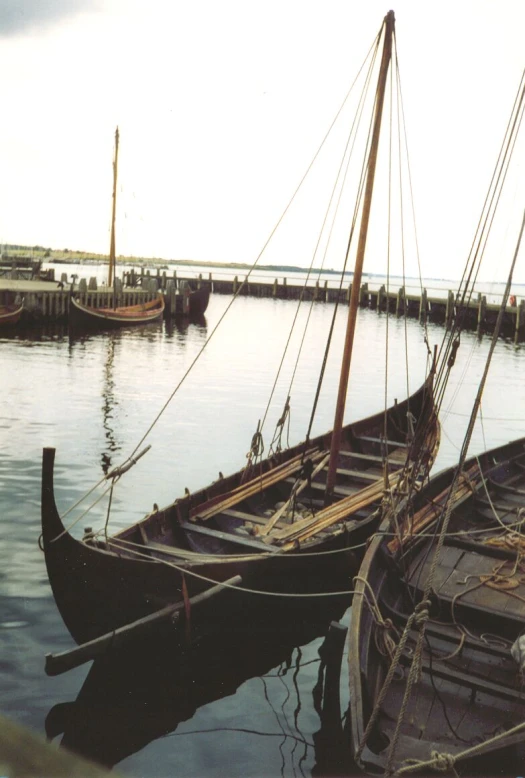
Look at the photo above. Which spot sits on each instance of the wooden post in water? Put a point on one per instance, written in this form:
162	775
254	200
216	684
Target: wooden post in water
520	319
186	292
423	306
363	299
400	301
449	310
381	296
482	311
358	269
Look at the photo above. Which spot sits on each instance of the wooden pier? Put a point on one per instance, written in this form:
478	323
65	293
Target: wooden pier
478	316
49	300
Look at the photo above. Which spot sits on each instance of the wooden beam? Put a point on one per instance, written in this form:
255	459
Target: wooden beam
67	660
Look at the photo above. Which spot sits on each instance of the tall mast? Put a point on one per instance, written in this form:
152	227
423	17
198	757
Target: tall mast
112	240
358	270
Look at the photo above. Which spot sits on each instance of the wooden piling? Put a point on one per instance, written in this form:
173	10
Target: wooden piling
423	307
449	309
482	310
381	299
520	321
400	301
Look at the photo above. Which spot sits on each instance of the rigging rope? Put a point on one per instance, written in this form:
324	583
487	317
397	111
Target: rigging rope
415	668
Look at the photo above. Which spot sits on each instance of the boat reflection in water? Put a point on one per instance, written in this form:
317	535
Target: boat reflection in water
134	697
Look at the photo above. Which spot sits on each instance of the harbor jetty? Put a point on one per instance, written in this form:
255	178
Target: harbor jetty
48	300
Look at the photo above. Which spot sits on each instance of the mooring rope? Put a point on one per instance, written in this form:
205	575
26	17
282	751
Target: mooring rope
246	590
442	762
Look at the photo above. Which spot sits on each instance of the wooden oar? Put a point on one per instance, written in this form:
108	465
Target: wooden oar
67	660
224	501
428	513
297	489
339	511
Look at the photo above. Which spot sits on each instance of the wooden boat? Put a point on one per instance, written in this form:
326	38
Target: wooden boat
87	317
470	686
83	316
225	530
10	314
272	528
436	668
194	302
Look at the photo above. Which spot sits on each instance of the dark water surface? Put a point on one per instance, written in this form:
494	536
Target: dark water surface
250	706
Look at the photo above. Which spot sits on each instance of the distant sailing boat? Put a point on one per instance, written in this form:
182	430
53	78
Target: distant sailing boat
86	316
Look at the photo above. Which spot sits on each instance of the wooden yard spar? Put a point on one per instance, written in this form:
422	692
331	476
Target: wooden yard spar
358	269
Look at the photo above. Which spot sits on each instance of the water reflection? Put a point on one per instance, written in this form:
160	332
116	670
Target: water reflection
108	402
174	327
132	698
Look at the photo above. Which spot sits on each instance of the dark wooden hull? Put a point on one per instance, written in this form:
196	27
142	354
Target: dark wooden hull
470	688
86	317
10	314
172	551
198	301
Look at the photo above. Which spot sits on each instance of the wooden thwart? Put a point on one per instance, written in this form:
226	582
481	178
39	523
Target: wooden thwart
302	530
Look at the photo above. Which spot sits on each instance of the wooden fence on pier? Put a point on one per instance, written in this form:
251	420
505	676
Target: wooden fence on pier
49	303
478	315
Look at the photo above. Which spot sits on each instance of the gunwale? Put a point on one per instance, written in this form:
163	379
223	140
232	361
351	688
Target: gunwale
478	674
99	589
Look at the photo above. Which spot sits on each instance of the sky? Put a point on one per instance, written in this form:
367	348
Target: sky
221	107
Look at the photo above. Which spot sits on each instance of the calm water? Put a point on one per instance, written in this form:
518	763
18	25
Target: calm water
94	399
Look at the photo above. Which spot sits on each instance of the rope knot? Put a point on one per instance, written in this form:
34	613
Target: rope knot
422	612
443	762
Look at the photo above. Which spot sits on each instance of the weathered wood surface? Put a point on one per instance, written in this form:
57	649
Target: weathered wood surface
24	754
479	315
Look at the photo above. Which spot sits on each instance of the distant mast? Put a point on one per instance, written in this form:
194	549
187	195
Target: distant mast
358	269
112	241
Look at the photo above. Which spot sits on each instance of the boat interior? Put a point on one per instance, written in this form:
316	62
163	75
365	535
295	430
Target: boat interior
471	686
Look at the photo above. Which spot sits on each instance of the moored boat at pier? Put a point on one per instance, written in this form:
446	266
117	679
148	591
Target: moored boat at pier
11	313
